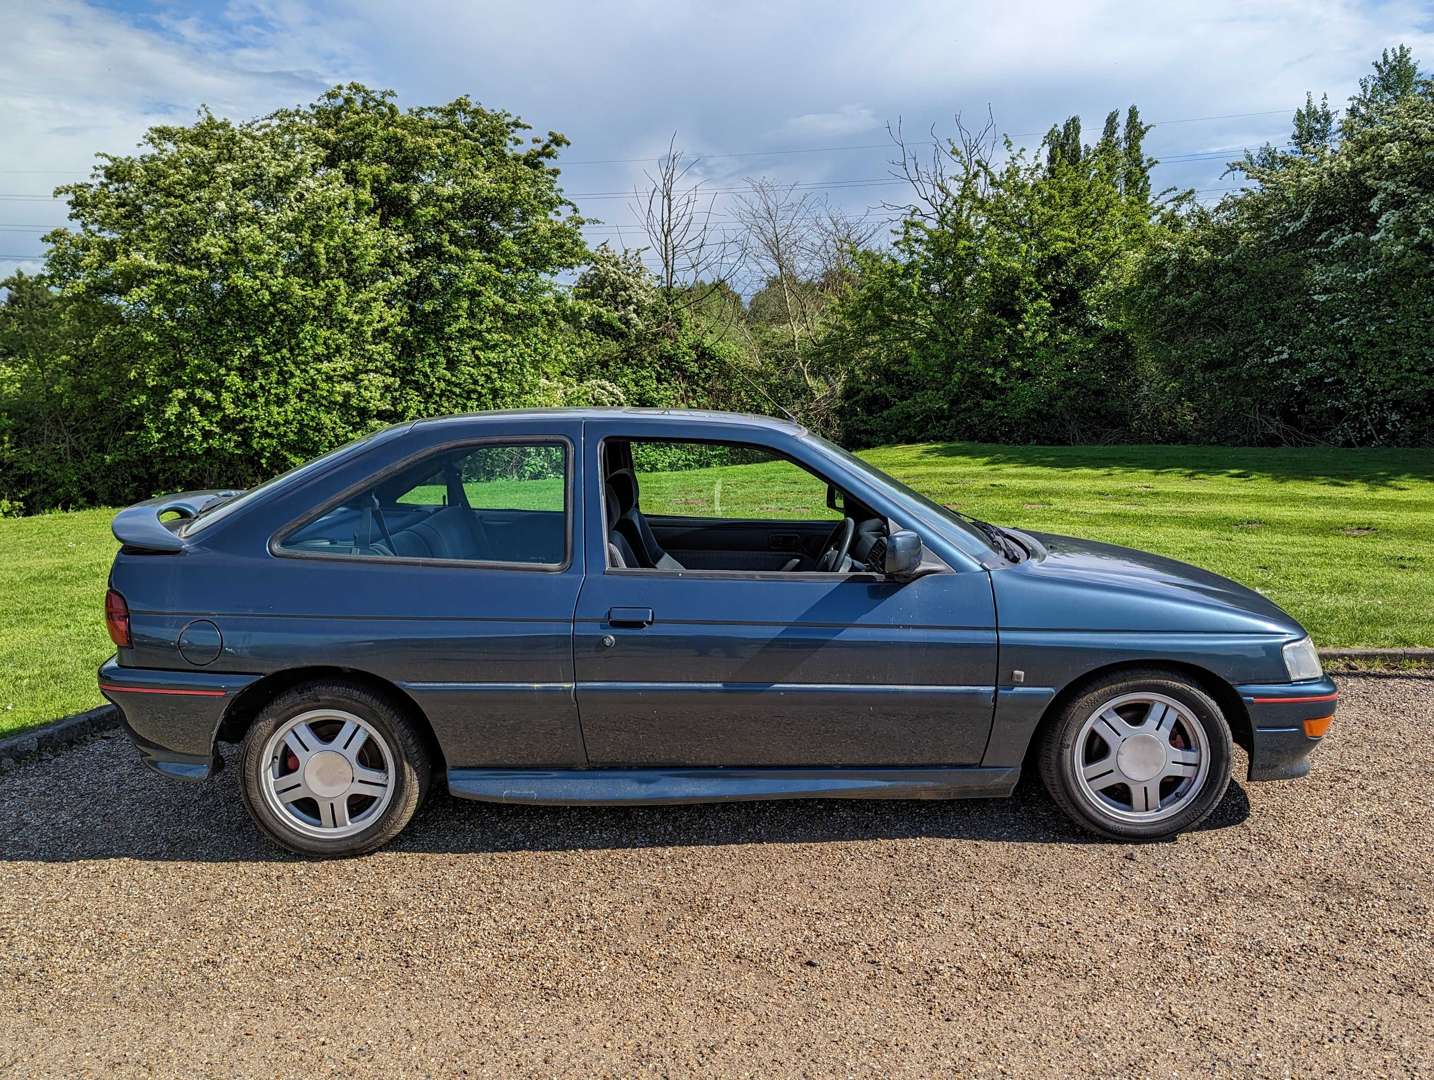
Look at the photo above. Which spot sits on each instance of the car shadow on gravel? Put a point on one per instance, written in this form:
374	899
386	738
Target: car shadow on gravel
46	815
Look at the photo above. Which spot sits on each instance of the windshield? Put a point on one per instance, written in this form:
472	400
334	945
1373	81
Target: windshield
909	493
224	507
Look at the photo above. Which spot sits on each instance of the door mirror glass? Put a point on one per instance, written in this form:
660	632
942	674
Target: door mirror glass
903	553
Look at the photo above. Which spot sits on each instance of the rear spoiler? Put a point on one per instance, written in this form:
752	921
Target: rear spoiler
140	527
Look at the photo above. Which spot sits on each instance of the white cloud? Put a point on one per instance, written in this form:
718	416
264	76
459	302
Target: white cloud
619	78
76	80
848	120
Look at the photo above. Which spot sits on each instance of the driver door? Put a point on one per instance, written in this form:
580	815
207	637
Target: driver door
752	666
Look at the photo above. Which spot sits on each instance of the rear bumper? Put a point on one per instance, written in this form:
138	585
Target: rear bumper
172	716
1280	745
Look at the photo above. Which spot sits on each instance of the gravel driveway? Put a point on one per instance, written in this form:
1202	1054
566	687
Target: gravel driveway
146	928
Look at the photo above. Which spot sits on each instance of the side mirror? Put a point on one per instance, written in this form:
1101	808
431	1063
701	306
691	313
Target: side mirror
903	554
835	499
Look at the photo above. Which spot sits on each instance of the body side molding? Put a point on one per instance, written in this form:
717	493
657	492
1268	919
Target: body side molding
685	785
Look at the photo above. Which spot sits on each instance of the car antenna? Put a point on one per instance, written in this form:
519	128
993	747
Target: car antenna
771	400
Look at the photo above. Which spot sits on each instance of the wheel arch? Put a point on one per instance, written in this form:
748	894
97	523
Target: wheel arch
250	701
1223	693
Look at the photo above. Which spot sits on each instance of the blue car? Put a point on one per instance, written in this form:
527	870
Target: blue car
629	606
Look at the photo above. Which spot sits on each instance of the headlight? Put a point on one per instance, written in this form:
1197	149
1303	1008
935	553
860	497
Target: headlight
1301	660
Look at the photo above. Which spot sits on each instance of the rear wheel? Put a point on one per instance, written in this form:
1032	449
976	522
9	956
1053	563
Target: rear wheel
1138	756
333	769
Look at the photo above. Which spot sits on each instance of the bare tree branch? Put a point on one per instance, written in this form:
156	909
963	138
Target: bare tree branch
694	260
953	166
780	229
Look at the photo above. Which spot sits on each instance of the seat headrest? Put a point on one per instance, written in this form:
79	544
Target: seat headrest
623	483
614	506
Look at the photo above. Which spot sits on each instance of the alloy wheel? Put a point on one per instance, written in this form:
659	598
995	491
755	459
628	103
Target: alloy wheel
1141	758
327	773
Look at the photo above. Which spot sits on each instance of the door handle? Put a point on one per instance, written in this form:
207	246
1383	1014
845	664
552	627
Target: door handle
630	616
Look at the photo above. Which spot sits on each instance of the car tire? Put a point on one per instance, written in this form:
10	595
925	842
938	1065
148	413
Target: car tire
332	769
1138	755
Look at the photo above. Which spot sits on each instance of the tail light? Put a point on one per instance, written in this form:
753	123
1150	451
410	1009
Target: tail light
117	619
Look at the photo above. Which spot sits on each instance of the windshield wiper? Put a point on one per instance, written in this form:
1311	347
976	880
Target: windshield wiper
220	498
1000	539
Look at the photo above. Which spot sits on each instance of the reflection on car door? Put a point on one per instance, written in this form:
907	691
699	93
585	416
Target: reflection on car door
750	671
703	668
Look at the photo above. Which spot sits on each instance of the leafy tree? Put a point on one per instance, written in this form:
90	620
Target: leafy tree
281	285
1396	79
622	300
1314	126
1303	307
997	312
50	451
646	347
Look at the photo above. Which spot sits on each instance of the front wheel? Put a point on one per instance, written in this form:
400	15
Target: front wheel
331	769
1138	756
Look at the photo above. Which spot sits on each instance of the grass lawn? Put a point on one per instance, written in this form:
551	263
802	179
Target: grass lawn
52	633
1342	539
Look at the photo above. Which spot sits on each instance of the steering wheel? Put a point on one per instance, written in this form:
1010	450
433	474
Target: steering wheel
837	546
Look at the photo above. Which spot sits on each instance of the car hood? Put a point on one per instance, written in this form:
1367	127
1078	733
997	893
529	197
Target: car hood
1085	584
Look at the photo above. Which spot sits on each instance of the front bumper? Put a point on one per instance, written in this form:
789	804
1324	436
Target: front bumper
1280	743
173	716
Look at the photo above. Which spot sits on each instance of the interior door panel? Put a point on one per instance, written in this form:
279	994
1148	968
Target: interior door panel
708	544
527	535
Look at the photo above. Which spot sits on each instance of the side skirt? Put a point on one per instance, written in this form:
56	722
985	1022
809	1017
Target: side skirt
590	787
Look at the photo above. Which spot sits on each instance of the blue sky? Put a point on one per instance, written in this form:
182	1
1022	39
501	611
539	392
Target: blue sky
779	84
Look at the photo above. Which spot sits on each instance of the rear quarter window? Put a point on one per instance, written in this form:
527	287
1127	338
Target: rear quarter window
504	503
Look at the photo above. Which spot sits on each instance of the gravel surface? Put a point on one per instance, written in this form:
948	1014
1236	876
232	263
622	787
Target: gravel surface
146	928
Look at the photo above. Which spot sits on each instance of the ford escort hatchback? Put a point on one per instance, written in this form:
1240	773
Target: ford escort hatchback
627	606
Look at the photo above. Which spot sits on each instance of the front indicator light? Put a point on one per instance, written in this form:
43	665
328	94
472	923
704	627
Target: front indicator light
1318	728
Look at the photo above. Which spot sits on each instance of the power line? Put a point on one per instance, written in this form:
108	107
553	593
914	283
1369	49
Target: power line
699	189
638	226
887	145
776	151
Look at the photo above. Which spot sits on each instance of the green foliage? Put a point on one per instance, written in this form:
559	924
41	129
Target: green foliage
271	289
60	404
1303	307
1051	297
1396	79
653	351
996	314
235	298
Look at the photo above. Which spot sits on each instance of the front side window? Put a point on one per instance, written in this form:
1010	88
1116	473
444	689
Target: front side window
675	506
490	503
721	480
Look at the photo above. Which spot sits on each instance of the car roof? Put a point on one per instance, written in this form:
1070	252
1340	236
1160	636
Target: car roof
693	416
